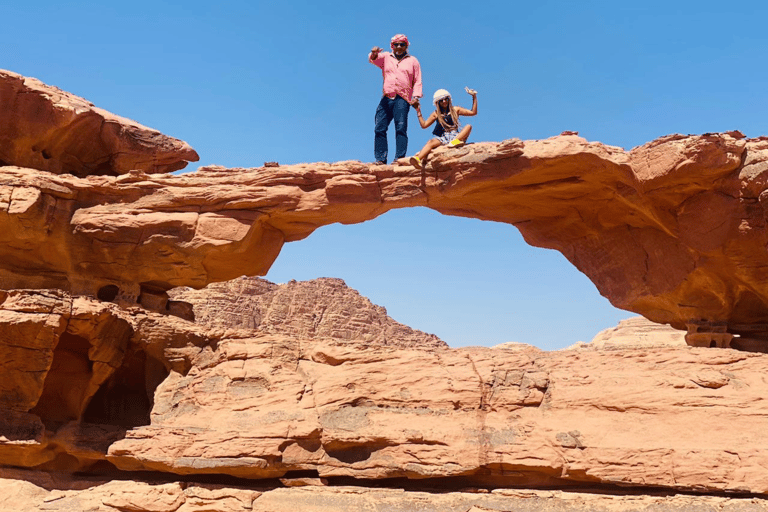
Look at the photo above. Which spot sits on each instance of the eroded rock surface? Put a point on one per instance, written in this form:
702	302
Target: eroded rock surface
22	491
43	127
77	372
266	405
636	332
310	407
139	391
321	308
673	230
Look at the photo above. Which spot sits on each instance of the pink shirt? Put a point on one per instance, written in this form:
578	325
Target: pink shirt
401	78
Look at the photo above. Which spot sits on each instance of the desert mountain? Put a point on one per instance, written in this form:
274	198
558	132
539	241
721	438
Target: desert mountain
323	308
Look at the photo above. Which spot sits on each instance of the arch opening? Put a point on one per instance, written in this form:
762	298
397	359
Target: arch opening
470	282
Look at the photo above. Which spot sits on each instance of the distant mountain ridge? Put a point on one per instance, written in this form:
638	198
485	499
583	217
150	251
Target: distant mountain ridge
320	308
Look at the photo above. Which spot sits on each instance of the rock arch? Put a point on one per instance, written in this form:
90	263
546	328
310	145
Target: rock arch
673	230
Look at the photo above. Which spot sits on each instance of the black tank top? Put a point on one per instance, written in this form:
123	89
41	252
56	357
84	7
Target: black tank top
439	131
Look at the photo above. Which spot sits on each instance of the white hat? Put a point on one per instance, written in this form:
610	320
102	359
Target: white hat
440	94
399	38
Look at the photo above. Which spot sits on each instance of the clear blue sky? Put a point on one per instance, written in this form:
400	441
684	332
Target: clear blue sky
249	82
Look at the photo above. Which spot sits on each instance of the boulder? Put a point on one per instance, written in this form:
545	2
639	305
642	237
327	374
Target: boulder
45	128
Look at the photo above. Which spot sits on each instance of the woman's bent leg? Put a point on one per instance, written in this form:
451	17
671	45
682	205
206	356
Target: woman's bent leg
464	133
429	146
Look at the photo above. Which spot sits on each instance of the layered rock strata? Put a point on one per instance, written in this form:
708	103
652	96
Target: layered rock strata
637	332
264	406
105	387
317	309
105	375
22	491
673	230
77	372
43	127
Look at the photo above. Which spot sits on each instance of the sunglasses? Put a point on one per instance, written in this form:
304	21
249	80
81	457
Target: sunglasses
400	45
444	99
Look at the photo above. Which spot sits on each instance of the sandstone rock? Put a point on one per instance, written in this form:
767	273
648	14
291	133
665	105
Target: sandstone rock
76	373
57	351
28	491
321	308
269	405
303	482
672	230
184	400
234	419
637	332
43	127
513	345
23	492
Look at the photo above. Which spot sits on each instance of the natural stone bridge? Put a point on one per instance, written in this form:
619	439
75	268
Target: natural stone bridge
673	230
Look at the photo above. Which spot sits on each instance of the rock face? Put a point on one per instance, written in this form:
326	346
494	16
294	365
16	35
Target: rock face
174	398
43	127
77	372
141	391
673	230
319	309
637	332
22	491
307	396
482	416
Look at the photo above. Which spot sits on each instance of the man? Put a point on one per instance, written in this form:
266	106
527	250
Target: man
402	88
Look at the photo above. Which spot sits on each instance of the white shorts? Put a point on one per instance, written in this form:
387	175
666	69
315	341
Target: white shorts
447	137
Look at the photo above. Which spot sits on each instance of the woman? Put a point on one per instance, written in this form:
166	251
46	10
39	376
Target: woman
446	131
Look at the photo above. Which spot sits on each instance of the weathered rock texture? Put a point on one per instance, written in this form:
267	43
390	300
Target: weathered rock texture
146	392
43	127
673	230
267	405
22	491
103	373
636	332
317	309
77	372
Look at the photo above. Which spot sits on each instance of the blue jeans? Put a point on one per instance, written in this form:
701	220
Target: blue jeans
387	110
